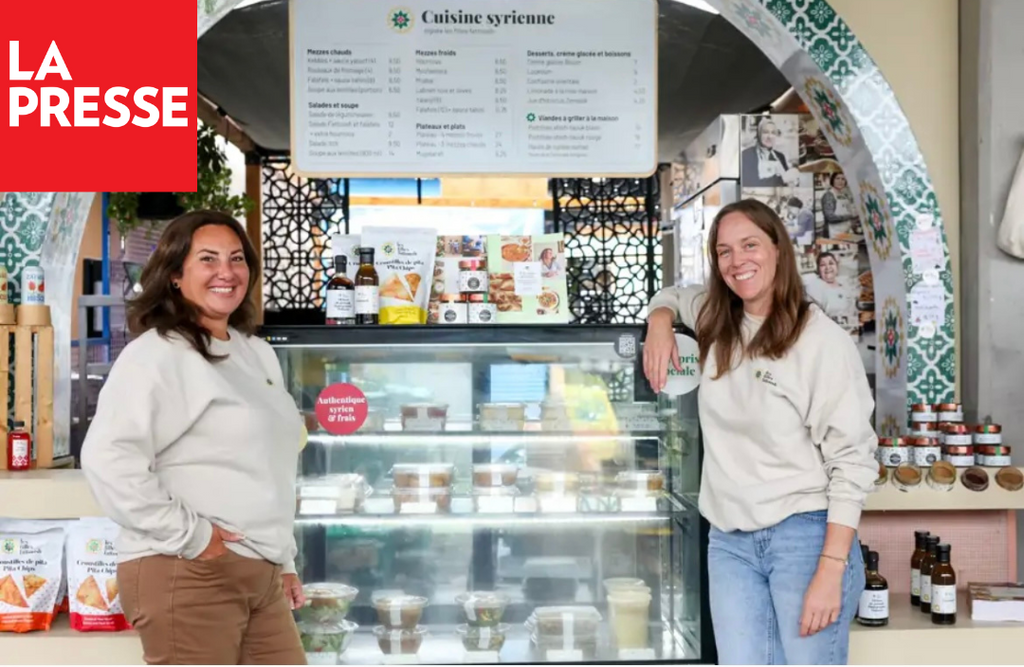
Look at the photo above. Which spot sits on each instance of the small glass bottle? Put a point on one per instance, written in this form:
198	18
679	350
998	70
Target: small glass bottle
19	448
367	289
873	609
915	567
341	295
927	563
943	588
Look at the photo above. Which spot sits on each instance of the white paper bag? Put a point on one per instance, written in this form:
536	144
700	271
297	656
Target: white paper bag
1011	230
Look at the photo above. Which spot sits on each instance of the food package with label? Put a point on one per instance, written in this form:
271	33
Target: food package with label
450	252
92	577
527	279
404	260
30	574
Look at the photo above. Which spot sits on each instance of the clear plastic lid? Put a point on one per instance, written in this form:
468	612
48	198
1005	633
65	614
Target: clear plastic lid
482	599
423	494
465	630
422	468
329	591
562	620
319	487
496	491
614	583
401	602
328	628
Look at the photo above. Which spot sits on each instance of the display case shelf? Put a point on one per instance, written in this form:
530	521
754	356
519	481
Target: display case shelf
62	645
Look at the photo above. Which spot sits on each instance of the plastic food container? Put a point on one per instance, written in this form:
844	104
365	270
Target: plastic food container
394	641
942	476
400	611
434	500
557	482
892	452
423	475
332	494
502	416
961	456
1010	479
565	621
926	450
907	476
587	645
992	456
645	480
483	608
988	434
324	643
975	479
957	435
326	602
495	474
629	612
616	583
482	638
424	416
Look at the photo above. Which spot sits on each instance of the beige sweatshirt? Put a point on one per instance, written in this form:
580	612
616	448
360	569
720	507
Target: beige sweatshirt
178	442
783	436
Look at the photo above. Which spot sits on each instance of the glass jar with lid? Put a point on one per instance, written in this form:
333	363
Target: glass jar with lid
473	276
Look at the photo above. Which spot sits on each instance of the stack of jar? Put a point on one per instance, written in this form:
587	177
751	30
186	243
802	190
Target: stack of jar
422	488
483	631
470	304
494	487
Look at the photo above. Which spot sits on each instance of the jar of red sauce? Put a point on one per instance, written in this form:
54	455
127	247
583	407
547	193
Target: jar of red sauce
19	448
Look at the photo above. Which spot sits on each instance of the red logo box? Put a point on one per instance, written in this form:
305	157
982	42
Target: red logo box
98	96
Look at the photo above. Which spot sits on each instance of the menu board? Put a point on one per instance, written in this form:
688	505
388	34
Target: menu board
566	88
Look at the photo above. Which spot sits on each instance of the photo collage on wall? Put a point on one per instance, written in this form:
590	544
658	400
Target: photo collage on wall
787	163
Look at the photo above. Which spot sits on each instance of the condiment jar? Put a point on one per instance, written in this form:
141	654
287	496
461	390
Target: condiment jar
922	412
961	456
1010	478
473	276
957	434
893	451
992	456
906	477
988	434
452	310
942	476
926	450
950	412
975	479
925	430
480	310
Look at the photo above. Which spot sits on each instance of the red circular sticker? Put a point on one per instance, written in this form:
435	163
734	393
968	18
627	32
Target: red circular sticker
341	408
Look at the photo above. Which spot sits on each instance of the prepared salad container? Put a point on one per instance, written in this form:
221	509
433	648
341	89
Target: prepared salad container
324	643
578	621
482	638
326	602
483	608
399	641
401	611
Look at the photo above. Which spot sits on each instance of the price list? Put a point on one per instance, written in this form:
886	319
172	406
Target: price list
482	86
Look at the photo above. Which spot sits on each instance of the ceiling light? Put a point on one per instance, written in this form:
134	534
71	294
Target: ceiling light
699	4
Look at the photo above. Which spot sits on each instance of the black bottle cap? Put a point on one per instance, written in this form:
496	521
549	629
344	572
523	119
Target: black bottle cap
864	550
340	264
931	542
366	254
873	561
942	553
19	424
919	538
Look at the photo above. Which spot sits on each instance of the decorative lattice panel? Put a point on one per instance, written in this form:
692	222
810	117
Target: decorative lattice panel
299	217
613	246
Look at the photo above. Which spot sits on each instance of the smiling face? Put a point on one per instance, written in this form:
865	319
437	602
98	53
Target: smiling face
766	134
215	275
828	269
747	259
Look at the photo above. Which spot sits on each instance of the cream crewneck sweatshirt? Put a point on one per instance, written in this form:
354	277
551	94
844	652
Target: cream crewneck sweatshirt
784	436
178	442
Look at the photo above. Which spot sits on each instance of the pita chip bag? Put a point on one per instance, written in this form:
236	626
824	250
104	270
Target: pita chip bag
30	574
93	595
404	260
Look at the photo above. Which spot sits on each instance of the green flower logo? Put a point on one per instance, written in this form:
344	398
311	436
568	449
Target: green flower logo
530	117
94	546
400	20
10	547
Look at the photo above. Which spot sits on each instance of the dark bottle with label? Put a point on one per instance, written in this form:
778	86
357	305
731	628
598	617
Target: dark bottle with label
915	567
367	289
943	588
341	295
873	609
927	563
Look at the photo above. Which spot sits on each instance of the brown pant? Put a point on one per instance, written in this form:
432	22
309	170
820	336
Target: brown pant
227	611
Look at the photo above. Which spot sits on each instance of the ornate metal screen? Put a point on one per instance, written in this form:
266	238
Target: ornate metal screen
613	246
299	217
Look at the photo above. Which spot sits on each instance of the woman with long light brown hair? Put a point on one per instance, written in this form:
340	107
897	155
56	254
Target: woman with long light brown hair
785	408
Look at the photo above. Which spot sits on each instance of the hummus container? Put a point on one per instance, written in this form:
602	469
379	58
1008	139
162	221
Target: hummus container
430	417
892	452
395	641
988	434
326	602
401	611
557	482
476	638
643	480
483	608
324	643
495	474
430	500
1010	478
423	475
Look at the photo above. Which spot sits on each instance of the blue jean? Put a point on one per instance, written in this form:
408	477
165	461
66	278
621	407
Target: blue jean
757	582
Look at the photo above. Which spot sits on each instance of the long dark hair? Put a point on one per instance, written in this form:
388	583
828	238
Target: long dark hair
721	317
162	307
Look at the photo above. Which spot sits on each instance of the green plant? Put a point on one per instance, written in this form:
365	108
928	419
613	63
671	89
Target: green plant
213	180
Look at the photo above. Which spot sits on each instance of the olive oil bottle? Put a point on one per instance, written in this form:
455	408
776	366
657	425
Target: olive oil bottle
915	566
943	588
927	563
873	609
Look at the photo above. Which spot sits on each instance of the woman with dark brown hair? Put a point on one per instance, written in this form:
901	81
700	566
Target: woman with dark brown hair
785	409
193	452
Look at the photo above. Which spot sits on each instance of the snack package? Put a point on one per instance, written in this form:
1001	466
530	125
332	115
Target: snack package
527	279
404	259
92	577
30	574
450	251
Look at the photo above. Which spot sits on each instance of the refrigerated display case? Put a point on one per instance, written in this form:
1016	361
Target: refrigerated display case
516	494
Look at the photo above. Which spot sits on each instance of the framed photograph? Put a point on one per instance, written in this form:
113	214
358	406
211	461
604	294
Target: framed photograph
836	212
770	152
794	205
834	283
